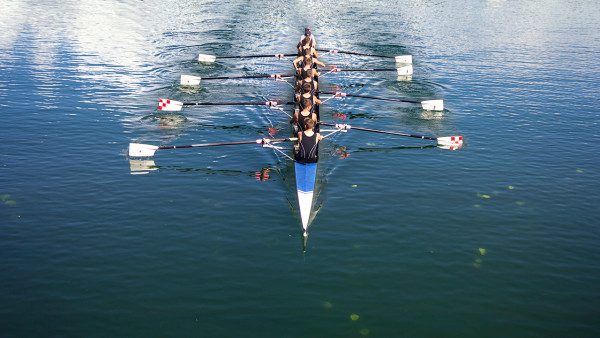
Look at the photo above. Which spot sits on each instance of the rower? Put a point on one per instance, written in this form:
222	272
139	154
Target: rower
306	62
307	38
306	113
308	144
306	49
308	94
308	76
302	67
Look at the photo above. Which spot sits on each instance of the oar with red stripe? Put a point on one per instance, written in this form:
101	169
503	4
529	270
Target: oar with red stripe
449	141
172	105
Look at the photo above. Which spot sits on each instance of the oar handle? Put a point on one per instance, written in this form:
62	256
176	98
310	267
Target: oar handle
345	126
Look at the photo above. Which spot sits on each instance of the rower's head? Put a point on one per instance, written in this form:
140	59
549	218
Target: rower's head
309	73
307	59
309	123
306	87
307	31
306	103
307	41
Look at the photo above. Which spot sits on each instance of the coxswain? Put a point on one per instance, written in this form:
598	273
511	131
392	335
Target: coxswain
306	38
308	143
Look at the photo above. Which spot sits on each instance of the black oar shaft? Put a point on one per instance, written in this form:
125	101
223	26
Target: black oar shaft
382	131
244	77
235	103
373	97
255	56
353	53
224	143
367	70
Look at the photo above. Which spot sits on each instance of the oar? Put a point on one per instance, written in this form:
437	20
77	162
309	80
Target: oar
427	105
212	58
399	58
402	71
190	80
147	150
172	105
448	141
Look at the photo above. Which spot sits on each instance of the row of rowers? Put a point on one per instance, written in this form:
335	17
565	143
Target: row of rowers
307	77
306	117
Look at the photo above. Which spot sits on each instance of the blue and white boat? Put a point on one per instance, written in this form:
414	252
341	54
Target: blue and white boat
305	185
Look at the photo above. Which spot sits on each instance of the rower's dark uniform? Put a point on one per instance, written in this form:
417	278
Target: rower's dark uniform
311	98
300	121
308	149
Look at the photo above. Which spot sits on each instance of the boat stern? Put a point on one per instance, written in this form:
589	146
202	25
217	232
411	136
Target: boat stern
305	186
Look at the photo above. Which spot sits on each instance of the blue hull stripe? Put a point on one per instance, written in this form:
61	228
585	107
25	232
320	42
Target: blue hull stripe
305	176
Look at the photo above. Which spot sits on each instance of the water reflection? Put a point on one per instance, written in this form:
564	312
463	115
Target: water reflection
140	167
144	166
166	120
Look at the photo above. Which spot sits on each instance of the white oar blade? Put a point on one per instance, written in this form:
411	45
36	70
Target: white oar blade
433	105
405	71
404	59
189	80
206	58
450	142
141	150
169	105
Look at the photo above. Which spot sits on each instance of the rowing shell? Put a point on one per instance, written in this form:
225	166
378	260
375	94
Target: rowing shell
306	176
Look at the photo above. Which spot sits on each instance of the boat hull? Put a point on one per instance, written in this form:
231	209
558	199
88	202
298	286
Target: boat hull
305	178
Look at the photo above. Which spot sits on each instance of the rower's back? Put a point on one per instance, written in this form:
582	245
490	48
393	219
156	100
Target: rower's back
308	144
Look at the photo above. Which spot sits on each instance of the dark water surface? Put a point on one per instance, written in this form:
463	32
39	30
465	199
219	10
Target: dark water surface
499	238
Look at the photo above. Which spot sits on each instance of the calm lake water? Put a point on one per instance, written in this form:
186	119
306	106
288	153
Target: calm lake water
500	238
